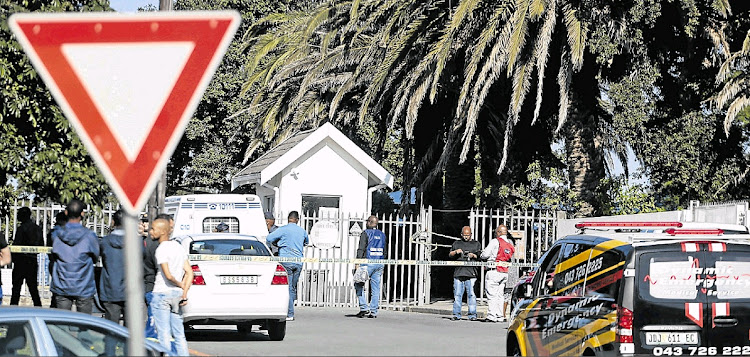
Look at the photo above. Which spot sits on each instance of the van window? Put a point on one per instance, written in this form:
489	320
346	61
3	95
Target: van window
732	276
604	273
546	272
667	276
210	223
573	260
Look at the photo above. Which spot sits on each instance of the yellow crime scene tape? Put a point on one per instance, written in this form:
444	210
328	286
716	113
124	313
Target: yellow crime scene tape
246	258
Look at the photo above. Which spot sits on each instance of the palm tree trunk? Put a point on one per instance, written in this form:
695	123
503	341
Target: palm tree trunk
584	158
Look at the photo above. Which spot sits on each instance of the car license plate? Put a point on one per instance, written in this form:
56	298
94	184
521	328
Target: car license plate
671	338
239	279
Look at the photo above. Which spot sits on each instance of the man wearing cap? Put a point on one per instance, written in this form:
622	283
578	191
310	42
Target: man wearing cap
270	222
271	225
222	228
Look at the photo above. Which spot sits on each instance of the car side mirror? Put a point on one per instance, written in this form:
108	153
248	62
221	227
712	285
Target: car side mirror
525	290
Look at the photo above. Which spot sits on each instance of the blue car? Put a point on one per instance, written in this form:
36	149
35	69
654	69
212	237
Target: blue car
29	331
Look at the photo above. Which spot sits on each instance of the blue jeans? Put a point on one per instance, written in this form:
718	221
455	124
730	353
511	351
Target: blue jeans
459	286
292	270
375	271
1	294
168	319
150	324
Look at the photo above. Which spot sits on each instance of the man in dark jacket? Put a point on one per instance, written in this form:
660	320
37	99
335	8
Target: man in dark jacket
60	221
464	277
112	279
25	265
74	252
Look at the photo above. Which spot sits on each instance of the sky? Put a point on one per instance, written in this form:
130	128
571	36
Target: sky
131	5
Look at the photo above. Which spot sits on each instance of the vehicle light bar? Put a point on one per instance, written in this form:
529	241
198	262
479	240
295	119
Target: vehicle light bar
672	231
580	225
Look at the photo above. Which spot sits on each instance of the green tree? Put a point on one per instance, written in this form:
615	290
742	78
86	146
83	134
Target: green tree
40	154
455	80
212	147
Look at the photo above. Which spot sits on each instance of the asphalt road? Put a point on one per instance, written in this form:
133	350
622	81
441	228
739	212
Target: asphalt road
336	332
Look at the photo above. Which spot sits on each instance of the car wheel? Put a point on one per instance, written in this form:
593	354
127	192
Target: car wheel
513	348
276	330
244	328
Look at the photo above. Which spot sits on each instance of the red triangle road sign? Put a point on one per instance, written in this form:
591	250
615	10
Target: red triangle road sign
128	83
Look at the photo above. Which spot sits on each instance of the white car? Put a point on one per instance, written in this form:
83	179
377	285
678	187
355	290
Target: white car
242	293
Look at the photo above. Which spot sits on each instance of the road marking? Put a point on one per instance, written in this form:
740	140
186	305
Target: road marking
197	353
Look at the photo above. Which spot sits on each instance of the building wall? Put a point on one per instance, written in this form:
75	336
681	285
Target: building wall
325	170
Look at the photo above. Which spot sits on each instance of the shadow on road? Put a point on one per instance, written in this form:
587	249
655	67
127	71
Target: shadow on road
207	335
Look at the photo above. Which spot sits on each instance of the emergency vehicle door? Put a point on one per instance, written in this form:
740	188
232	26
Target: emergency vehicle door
726	283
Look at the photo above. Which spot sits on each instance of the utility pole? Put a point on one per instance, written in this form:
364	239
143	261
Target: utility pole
156	202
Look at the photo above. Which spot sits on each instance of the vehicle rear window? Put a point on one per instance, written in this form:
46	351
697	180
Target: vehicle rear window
667	276
690	276
229	247
732	275
210	224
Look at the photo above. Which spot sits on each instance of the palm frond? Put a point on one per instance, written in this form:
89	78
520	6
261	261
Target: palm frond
521	83
477	53
536	9
576	36
394	51
440	52
541	52
563	81
518	35
730	90
506	144
735	108
722	7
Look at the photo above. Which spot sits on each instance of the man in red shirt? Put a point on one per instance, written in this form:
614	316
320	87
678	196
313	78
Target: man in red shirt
499	250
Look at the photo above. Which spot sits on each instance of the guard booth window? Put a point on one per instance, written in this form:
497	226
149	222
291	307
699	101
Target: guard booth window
210	223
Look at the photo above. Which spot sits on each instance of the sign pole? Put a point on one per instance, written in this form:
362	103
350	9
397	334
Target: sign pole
134	312
128	85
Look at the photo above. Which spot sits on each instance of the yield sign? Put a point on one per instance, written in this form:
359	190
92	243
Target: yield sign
128	83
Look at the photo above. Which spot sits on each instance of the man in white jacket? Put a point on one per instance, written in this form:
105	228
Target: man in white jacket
498	250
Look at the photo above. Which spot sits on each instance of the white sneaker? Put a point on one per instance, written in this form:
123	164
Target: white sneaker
291	318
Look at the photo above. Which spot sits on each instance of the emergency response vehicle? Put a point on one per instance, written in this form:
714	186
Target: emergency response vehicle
637	288
203	213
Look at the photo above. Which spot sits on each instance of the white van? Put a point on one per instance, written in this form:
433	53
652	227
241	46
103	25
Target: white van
201	213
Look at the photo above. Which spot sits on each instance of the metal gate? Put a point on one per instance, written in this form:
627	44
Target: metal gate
535	231
331	284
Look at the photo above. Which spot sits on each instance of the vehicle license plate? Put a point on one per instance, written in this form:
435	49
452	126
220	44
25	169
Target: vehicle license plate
671	338
239	279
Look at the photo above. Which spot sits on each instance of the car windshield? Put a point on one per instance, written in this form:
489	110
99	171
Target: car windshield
229	247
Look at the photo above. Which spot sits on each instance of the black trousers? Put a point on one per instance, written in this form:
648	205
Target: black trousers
83	304
25	269
113	310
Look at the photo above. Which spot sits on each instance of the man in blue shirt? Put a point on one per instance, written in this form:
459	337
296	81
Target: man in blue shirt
291	240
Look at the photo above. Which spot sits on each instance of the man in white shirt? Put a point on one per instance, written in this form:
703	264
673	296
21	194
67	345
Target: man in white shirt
499	250
173	280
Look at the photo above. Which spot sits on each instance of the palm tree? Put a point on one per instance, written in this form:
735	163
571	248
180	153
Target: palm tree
735	76
403	62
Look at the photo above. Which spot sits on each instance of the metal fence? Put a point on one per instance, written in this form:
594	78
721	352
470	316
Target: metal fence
331	284
99	220
535	230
